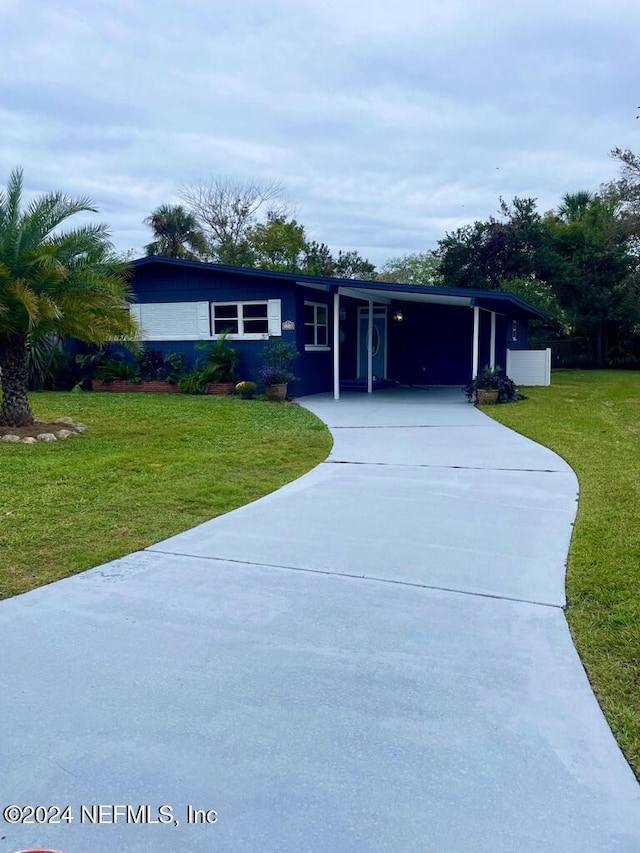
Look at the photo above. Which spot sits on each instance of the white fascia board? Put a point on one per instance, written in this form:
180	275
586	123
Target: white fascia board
367	295
314	285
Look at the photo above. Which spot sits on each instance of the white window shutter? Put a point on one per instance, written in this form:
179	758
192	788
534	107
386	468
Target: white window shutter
275	318
169	321
136	313
204	320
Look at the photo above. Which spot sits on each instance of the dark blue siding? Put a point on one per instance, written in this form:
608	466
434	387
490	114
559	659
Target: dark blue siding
314	368
502	324
484	354
522	333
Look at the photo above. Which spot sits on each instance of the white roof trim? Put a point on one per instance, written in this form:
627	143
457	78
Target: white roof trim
386	297
360	293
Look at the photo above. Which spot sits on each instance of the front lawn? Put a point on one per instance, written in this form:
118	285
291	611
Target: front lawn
592	419
149	466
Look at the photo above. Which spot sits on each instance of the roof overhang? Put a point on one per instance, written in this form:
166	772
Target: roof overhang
405	296
500	302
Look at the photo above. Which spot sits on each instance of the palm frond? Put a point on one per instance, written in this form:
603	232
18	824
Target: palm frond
23	304
41	347
10	203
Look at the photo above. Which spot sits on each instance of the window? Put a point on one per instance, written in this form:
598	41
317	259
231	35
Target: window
241	319
316	325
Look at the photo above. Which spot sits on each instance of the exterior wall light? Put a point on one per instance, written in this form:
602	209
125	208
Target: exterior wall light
343	313
398	316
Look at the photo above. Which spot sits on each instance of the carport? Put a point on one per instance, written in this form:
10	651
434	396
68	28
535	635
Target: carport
422	335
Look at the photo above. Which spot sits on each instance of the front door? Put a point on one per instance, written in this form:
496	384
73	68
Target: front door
379	341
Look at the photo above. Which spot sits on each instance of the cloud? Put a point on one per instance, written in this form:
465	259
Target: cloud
387	123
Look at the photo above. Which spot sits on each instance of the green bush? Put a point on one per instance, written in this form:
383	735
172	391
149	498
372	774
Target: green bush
115	369
218	361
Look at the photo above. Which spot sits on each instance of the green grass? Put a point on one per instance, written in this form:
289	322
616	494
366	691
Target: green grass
149	466
592	419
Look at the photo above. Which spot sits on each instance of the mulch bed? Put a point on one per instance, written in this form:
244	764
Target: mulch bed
34	430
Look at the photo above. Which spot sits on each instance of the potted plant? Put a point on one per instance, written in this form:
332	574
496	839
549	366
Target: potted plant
485	387
275	371
492	385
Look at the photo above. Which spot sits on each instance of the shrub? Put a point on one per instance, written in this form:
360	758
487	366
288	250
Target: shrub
173	366
219	360
150	363
155	365
193	383
116	369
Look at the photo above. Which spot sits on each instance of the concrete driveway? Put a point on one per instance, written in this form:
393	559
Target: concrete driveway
373	658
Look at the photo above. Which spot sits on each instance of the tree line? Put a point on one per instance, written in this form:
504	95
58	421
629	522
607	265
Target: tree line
577	263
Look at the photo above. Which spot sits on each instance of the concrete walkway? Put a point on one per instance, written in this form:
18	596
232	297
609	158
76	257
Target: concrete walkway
373	658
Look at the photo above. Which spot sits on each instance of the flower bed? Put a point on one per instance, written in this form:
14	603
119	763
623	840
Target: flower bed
156	386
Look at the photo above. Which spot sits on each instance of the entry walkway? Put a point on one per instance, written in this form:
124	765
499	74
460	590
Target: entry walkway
373	658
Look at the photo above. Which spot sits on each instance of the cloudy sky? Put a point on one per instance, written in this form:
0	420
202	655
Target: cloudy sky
389	122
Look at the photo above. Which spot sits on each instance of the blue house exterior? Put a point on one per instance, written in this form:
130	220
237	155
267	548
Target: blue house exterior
419	335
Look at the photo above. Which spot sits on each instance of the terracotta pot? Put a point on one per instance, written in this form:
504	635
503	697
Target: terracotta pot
487	397
220	388
276	393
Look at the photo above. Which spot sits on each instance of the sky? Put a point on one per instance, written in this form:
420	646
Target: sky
388	124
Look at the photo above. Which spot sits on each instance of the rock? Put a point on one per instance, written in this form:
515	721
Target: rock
65	433
79	427
46	436
11	438
64	421
29	440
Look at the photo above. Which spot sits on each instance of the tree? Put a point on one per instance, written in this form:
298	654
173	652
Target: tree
484	254
575	205
318	260
542	296
595	275
63	282
418	268
626	189
176	233
277	244
227	209
352	265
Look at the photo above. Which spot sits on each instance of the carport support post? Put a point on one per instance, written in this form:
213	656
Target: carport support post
492	352
336	345
370	350
476	341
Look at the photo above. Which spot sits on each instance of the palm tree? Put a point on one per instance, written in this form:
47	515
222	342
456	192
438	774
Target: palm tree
575	205
51	281
177	233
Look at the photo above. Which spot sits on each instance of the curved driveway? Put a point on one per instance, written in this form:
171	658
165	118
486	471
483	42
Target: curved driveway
373	658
